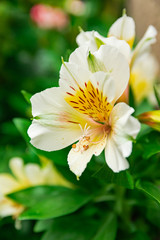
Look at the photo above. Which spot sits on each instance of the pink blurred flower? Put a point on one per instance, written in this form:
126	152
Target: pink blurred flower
48	17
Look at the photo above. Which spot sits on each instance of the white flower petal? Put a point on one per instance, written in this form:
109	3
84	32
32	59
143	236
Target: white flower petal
17	167
132	127
98	148
50	138
7	183
114	157
116	64
120	113
50	109
146	65
90	39
57	126
143	76
104	82
47	101
121	45
125	127
126	148
73	76
124	29
145	43
123	123
34	174
79	56
78	159
9	208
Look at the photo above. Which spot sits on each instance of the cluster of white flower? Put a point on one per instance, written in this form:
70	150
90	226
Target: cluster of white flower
83	110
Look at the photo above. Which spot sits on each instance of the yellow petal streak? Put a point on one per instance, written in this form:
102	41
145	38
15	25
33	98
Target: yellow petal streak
130	42
90	101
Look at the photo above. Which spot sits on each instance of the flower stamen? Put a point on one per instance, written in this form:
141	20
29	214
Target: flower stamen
90	101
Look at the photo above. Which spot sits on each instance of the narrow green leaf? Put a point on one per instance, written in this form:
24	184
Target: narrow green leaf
22	125
131	98
151	149
108	229
149	188
153	213
46	202
27	96
157	93
123	178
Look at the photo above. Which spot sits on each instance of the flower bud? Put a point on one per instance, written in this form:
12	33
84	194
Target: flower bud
151	118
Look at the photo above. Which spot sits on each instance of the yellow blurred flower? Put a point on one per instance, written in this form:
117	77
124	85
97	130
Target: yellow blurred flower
25	176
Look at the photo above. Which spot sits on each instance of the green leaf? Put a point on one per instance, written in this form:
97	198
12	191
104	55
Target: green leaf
151	149
43	225
140	236
131	98
144	106
153	213
149	188
151	144
22	125
123	178
157	93
75	226
26	96
108	229
49	201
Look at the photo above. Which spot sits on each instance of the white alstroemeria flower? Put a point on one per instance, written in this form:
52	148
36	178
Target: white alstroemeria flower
124	31
82	111
24	176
